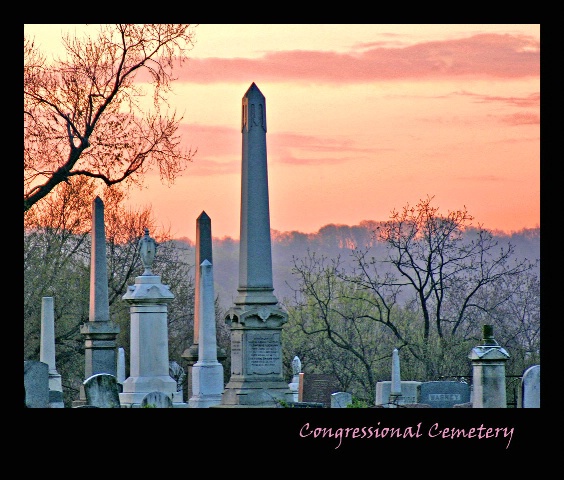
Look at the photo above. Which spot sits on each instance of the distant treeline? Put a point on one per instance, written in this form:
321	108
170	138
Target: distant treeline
330	241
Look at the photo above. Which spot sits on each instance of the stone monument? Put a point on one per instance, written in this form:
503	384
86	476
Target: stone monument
203	252
207	372
341	399
100	348
530	388
47	352
36	384
149	362
102	391
488	372
294	385
408	393
443	393
256	319
395	393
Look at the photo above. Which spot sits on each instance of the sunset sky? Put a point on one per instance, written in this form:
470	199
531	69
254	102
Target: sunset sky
362	119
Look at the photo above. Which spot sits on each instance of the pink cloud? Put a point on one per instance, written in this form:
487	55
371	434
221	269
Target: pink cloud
532	100
481	178
210	140
479	56
213	142
522	119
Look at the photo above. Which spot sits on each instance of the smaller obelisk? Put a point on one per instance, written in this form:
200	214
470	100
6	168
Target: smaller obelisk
207	372
395	392
203	252
100	348
47	352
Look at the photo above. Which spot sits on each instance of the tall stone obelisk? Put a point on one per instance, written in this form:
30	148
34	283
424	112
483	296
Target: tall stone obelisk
256	319
100	352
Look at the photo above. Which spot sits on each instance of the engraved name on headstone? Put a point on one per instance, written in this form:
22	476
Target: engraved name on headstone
443	394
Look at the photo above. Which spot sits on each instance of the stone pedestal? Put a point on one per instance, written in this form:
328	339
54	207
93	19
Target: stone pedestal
100	351
149	362
294	387
488	372
256	358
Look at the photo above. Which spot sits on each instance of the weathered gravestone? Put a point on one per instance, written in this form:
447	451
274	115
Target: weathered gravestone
36	383
318	388
102	391
530	387
340	399
156	400
443	394
408	392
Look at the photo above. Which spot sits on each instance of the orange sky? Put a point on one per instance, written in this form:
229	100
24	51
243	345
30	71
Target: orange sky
362	119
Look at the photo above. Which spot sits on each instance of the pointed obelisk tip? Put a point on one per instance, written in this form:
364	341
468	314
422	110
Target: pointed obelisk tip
253	90
203	215
205	263
98	200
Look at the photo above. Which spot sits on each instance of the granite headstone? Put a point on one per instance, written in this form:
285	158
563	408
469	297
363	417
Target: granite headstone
443	394
36	383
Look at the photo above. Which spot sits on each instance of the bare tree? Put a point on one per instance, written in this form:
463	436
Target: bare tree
439	282
330	327
83	116
57	250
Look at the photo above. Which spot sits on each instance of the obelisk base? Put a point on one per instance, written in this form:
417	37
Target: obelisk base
137	388
207	384
256	358
100	351
255	394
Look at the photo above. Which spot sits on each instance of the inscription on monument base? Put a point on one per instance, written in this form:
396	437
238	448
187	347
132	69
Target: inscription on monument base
236	353
264	356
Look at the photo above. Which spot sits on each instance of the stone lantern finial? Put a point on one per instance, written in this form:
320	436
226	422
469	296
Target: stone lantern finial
147	250
487	333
